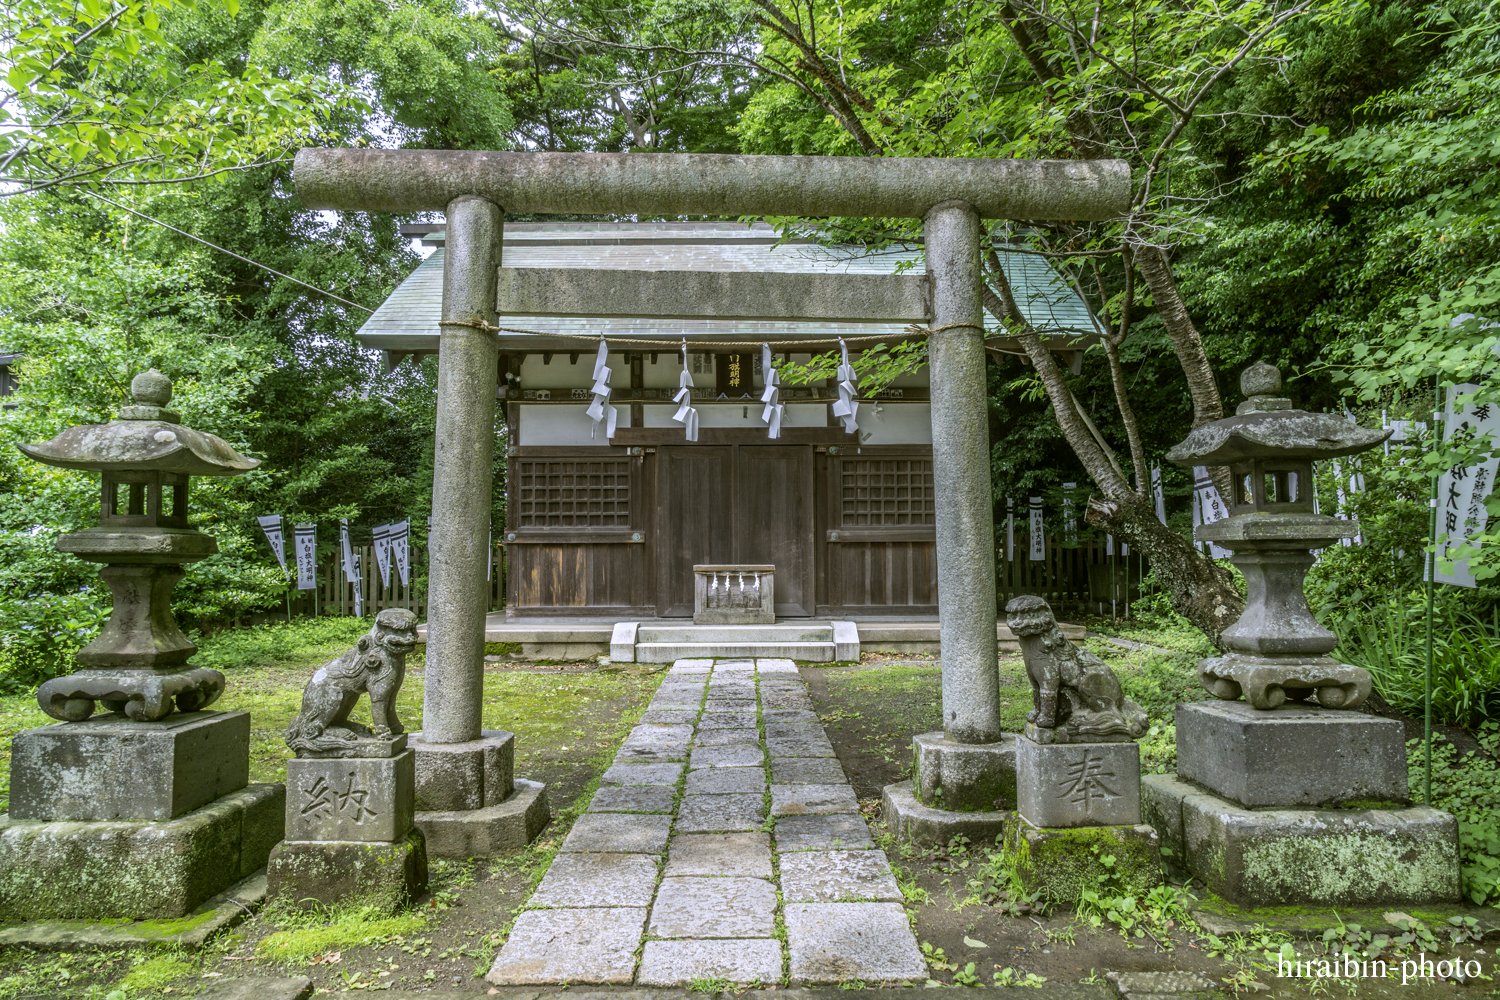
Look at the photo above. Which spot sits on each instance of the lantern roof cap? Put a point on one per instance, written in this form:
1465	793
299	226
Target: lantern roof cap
1266	426
146	438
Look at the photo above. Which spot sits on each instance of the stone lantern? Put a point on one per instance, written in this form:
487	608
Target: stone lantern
1287	798
138	665
1276	650
148	805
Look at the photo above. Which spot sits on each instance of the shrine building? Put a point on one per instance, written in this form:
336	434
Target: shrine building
613	527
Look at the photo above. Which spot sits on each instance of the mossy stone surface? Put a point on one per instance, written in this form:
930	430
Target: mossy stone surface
385	877
1064	862
131	870
1306	857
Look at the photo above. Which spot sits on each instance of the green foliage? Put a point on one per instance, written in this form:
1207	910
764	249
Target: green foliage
1158	681
101	93
277	642
1467	786
1391	643
40	633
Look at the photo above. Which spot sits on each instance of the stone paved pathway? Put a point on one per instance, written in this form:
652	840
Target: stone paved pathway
676	872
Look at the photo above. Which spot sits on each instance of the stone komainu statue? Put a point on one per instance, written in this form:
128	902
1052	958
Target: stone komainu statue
1076	698
377	664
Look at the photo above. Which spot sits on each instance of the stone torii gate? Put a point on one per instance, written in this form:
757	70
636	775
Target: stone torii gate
476	188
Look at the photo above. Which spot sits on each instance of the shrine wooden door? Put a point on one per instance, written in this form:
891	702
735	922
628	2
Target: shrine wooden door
735	504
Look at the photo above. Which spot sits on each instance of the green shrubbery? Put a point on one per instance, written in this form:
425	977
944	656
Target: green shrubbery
39	635
275	642
1391	643
1468	787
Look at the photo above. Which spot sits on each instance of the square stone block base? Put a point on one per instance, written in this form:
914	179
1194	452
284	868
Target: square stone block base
470	775
366	799
966	777
483	833
109	768
1298	756
1300	857
1078	784
135	871
1062	863
326	873
910	820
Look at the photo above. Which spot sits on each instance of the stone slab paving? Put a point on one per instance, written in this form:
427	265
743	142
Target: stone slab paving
676	872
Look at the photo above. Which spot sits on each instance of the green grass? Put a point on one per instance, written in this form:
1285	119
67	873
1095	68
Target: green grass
547	711
332	930
155	973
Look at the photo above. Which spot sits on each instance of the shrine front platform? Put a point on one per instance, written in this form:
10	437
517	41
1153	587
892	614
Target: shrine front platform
558	638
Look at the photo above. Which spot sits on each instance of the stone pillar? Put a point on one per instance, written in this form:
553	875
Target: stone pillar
963	778
468	802
961	477
463	474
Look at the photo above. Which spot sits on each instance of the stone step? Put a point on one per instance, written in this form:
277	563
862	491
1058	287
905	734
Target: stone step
738	634
667	652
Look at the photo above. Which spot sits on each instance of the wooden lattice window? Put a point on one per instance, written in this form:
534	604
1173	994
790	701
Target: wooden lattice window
887	491
567	493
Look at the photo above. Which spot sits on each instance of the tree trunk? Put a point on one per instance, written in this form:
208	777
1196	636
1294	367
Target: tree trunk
1201	590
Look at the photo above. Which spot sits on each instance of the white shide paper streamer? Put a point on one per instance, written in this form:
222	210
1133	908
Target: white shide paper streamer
686	415
847	407
600	411
771	415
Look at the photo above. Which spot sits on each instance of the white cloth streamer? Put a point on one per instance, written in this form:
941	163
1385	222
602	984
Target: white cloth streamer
847	408
771	415
686	415
600	411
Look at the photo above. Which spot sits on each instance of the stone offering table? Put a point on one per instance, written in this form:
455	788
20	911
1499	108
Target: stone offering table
1288	797
145	811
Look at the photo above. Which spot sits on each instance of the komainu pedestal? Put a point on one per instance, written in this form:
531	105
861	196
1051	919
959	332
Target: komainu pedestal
350	836
351	792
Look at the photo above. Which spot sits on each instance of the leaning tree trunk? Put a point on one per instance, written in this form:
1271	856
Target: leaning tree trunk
1201	590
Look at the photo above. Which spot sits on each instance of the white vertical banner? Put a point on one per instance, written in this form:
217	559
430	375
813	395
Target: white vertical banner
1070	522
489	555
382	546
351	575
1038	544
305	542
1210	506
1463	489
1109	545
1161	503
359	587
271	525
400	540
1010	529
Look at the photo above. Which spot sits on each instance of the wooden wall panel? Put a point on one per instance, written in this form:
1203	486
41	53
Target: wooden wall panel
871	576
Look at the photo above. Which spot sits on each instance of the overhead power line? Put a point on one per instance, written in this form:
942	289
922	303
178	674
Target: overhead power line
215	246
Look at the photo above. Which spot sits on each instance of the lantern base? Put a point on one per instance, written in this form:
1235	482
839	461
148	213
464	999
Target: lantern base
140	695
1268	682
